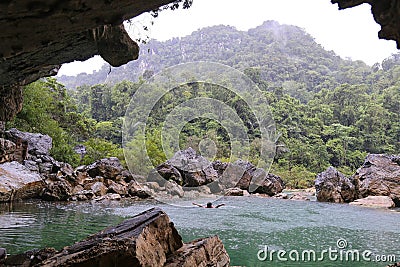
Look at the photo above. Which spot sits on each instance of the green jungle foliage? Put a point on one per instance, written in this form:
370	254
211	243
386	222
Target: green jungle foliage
328	111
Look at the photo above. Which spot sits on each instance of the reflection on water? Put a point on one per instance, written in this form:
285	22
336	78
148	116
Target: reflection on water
245	225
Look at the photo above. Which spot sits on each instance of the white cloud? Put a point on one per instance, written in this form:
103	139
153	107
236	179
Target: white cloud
350	33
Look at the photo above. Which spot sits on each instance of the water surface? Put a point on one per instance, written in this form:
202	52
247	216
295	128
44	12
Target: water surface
246	225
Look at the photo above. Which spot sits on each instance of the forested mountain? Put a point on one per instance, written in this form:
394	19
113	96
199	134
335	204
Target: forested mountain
328	111
281	55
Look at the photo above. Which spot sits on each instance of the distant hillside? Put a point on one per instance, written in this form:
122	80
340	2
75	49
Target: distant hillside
280	55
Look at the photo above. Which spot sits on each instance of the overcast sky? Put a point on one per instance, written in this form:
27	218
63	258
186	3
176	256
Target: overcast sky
350	33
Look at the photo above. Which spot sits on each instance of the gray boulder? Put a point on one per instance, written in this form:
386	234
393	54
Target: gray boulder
109	168
379	176
272	185
333	186
38	144
17	182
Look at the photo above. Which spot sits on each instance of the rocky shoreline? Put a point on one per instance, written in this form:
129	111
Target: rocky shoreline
28	171
375	184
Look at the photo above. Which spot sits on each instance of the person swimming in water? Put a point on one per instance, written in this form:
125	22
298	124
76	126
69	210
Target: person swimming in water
209	205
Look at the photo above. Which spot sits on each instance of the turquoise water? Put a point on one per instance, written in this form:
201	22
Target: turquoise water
246	225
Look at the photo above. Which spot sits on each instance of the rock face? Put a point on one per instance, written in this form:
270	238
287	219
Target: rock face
37	37
374	202
379	176
386	13
17	182
333	186
147	239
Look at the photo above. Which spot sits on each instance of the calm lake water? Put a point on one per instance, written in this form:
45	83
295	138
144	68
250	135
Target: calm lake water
246	225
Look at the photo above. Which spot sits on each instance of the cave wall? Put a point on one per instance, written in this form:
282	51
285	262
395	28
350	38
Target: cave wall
38	36
385	12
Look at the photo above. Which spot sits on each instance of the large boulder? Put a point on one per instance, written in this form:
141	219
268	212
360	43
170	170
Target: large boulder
17	182
379	176
272	185
248	173
332	186
109	168
38	144
186	168
147	239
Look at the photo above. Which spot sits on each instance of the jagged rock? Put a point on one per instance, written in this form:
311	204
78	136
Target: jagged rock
249	169
374	202
272	185
379	176
7	150
135	190
333	186
57	191
77	189
38	144
17	182
168	172
31	165
117	188
174	189
236	192
12	150
219	166
108	168
194	254
99	189
199	178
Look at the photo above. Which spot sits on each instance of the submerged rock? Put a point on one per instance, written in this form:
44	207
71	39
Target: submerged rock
379	176
236	192
332	186
374	202
17	182
147	239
